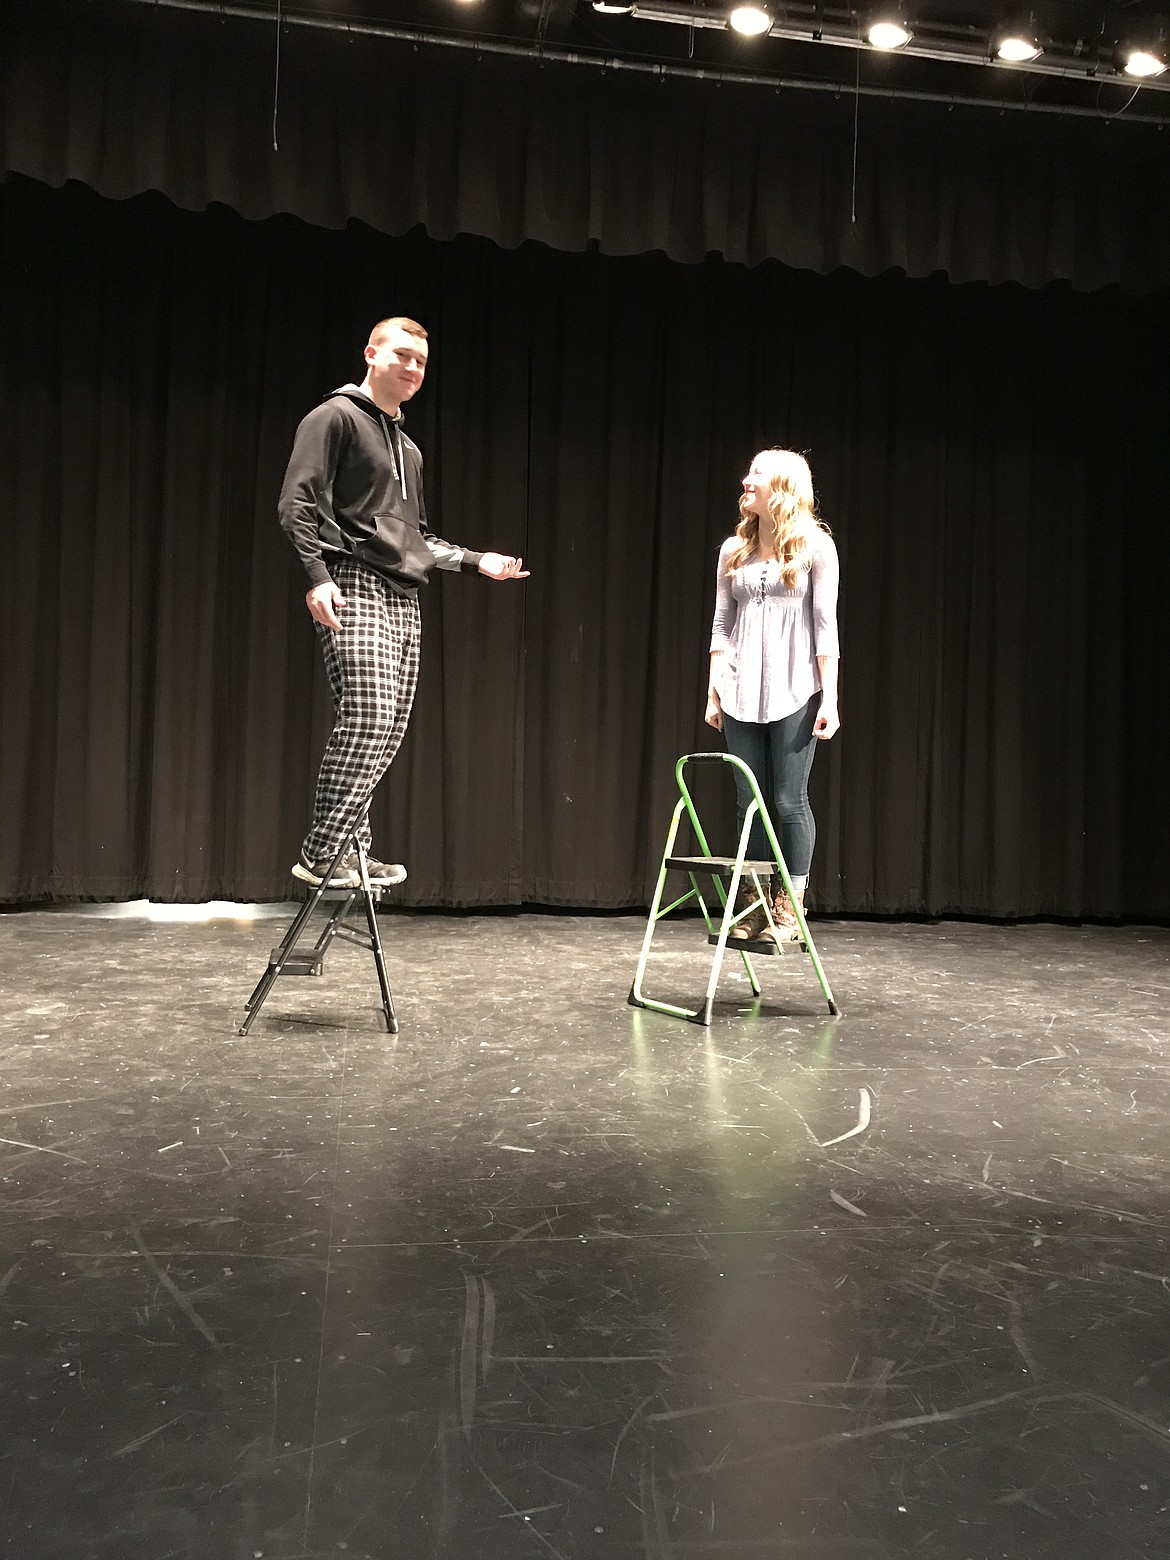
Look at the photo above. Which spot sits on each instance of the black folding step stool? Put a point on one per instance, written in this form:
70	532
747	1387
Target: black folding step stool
288	960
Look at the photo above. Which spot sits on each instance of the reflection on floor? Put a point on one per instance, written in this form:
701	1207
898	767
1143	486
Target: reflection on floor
550	1276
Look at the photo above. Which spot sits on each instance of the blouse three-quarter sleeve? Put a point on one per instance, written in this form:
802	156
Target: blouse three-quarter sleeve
725	603
824	576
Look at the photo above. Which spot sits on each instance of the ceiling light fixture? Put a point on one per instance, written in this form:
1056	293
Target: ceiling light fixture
1017	43
613	7
1145	62
1018	49
887	29
751	19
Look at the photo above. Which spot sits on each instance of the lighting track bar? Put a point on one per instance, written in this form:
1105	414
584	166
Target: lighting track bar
233	9
841	30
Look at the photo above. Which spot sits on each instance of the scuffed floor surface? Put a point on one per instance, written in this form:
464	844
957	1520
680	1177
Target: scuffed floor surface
548	1276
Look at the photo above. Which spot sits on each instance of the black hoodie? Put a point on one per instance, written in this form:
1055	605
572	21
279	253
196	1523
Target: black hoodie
353	489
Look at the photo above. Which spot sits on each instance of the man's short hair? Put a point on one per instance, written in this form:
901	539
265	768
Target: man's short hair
399	322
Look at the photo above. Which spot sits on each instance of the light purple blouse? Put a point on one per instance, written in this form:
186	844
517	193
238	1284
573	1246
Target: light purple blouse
771	636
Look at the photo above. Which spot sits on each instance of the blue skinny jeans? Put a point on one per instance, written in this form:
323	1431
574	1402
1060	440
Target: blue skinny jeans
779	754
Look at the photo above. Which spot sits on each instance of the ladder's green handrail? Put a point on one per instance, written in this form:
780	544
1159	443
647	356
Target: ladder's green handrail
656	914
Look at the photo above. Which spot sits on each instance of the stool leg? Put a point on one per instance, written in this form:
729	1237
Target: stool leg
376	940
336	919
266	982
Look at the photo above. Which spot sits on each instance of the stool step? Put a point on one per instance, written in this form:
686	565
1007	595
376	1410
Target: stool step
753	945
296	963
331	896
718	866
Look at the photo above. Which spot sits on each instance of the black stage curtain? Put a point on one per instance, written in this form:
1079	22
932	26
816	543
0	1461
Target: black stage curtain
127	100
990	460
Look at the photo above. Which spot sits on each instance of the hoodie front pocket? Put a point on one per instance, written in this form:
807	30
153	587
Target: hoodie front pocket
398	546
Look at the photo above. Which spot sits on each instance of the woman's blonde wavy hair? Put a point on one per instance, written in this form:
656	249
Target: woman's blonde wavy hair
793	512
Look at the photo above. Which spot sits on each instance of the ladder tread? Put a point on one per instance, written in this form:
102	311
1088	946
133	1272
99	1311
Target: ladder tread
718	866
295	963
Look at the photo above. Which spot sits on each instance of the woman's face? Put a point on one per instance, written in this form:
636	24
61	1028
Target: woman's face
757	486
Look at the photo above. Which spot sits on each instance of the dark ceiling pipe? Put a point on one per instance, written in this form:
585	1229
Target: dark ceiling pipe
561	56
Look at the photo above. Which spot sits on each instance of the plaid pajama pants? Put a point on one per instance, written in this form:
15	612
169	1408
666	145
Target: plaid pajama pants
372	666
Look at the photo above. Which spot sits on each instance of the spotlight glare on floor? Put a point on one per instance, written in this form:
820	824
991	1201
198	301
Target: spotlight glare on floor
211	910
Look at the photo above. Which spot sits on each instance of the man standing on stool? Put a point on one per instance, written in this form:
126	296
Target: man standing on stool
352	506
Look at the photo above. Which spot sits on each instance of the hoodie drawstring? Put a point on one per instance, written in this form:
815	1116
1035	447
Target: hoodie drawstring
394	450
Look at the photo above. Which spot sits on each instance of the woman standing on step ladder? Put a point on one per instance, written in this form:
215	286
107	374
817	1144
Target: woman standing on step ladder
774	654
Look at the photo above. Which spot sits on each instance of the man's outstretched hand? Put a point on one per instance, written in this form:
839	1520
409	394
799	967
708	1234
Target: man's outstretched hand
497	566
323	602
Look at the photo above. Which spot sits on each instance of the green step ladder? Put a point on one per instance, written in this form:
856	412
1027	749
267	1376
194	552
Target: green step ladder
718	868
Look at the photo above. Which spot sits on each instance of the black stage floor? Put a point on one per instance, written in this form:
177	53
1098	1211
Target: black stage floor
547	1276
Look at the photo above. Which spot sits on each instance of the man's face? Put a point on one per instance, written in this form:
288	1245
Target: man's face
397	363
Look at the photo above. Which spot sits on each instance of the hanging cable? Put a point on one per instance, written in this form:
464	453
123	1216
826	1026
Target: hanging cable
276	81
856	108
1126	104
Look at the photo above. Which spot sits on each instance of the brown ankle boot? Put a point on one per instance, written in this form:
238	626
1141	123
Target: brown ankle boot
752	925
782	914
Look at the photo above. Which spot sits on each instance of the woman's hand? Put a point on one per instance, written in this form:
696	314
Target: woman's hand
713	714
828	722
